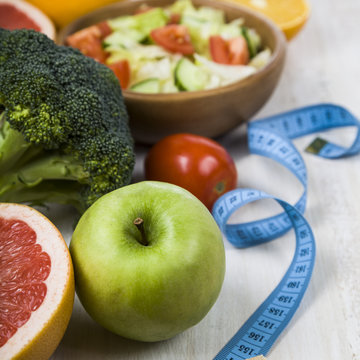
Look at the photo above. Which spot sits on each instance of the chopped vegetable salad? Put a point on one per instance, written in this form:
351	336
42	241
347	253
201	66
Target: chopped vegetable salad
176	48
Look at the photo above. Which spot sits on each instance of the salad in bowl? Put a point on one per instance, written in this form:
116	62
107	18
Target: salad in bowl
175	48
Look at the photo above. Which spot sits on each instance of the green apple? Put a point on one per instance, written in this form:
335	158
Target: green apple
149	260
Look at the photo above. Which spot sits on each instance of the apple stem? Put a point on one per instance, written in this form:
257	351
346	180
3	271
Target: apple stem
139	223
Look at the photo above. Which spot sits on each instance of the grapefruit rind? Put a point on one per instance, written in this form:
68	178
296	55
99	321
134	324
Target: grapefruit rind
41	334
44	22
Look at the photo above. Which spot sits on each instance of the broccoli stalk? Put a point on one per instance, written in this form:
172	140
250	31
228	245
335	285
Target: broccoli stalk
25	171
64	133
12	145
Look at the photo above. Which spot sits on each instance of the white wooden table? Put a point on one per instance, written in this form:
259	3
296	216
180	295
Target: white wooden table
323	65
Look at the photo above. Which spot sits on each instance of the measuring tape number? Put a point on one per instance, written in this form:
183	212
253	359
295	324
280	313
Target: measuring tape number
271	137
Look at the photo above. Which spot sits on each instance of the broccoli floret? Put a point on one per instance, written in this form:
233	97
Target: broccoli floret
64	133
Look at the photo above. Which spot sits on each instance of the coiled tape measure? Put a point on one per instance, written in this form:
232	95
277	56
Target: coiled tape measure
271	137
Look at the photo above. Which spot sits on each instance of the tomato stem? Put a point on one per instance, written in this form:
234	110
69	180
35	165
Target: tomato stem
139	223
220	187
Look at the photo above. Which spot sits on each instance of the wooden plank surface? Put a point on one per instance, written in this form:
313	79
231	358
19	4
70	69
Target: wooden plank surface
323	65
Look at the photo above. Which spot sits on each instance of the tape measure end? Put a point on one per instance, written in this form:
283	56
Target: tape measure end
316	146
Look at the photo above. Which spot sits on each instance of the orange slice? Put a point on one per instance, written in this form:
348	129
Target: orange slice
37	284
289	15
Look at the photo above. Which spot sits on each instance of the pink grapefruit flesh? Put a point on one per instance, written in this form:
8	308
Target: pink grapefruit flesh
19	14
23	269
12	18
37	284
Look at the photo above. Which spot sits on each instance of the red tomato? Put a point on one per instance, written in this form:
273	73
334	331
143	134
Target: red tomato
193	162
89	41
174	38
104	29
219	49
122	71
231	52
175	18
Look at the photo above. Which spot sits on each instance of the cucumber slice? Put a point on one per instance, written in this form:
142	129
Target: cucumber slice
189	77
149	86
253	40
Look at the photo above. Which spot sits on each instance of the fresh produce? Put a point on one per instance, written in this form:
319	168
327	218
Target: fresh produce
64	134
194	162
149	260
121	70
62	12
155	41
19	14
37	284
89	42
174	38
231	52
289	15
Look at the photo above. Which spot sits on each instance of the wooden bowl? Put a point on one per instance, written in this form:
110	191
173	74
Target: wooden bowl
209	113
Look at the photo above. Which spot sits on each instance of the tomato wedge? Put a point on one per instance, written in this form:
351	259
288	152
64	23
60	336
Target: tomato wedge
230	52
104	29
89	41
174	38
174	18
122	71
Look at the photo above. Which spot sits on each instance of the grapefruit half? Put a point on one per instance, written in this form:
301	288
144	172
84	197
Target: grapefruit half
19	14
36	284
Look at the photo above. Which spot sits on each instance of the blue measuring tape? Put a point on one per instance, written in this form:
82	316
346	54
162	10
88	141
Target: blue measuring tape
271	137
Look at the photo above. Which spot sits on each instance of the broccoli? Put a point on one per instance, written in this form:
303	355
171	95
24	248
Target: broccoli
64	133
